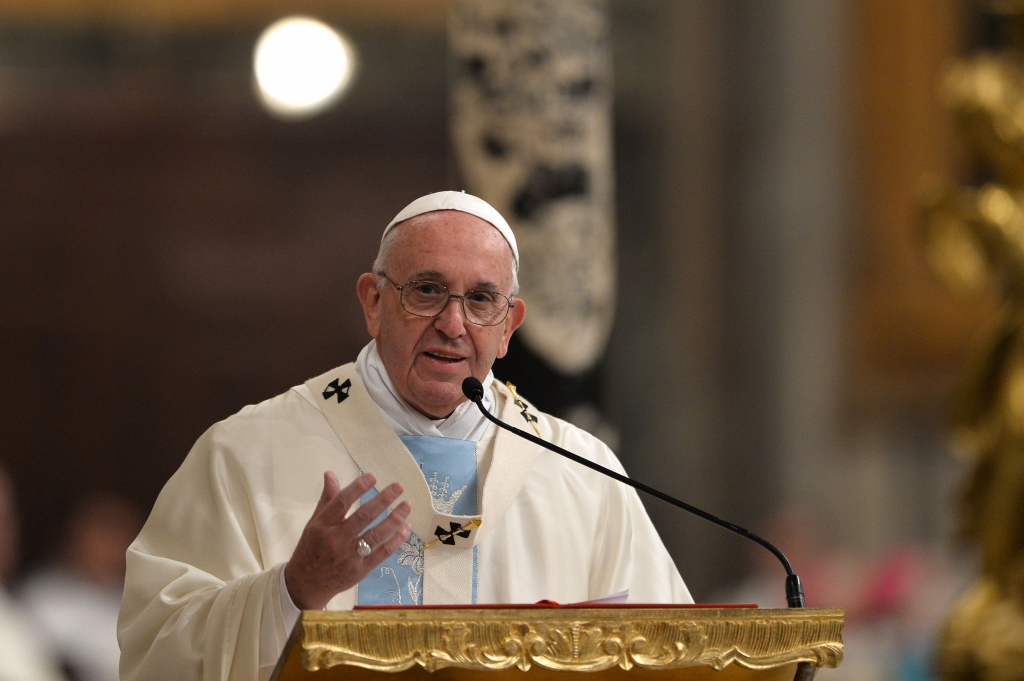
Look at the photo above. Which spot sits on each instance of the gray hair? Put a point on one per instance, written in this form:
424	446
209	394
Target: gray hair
387	249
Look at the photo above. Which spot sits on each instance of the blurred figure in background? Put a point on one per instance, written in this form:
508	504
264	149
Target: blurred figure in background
21	655
74	603
894	600
829	577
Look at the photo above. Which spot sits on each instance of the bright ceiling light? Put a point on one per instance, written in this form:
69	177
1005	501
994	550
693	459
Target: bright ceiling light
302	66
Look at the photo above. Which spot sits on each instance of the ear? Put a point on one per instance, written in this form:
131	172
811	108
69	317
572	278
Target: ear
515	318
369	297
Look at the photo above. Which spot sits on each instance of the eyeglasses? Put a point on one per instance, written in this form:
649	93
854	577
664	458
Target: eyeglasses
429	299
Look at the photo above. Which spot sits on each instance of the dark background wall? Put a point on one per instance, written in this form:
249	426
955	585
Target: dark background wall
170	253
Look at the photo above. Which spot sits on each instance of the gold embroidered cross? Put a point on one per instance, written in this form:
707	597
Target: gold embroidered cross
530	418
457	531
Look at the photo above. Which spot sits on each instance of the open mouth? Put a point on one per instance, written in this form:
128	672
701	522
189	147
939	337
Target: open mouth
444	357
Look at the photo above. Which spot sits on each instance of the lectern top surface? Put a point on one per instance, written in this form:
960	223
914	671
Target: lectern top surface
634	613
549	605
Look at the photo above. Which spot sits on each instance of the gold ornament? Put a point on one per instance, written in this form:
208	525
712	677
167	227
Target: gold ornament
608	640
974	240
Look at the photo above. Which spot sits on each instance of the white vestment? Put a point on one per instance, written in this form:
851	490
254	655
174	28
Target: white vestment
78	620
202	595
22	653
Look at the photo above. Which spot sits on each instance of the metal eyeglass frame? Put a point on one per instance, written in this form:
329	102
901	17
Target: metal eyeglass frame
461	299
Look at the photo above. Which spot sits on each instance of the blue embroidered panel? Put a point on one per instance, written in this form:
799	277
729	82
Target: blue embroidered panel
449	467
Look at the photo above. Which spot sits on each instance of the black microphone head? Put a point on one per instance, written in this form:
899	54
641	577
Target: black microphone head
473	389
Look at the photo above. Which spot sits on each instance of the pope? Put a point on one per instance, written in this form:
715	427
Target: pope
378	483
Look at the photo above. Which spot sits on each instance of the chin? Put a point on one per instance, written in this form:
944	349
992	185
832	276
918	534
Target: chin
440	398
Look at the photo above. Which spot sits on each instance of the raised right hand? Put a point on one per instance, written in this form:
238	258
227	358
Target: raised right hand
325	561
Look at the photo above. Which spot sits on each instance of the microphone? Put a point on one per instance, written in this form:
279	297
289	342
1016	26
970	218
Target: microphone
473	390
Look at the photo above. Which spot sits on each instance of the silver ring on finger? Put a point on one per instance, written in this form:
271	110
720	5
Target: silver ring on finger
363	548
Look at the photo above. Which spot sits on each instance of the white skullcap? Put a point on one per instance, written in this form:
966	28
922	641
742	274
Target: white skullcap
460	201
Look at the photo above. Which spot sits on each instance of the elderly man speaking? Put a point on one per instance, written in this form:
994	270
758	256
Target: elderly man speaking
379	483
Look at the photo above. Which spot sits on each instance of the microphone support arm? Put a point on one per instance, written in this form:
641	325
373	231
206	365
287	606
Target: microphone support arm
794	590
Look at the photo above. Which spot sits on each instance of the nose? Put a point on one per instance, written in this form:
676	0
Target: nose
452	319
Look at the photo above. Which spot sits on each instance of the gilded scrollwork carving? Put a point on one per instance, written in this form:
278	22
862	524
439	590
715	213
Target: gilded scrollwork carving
571	640
974	240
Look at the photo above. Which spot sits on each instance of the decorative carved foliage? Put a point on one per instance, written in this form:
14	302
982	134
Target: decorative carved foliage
571	640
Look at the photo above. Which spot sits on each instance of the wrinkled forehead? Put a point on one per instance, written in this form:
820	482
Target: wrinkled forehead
439	240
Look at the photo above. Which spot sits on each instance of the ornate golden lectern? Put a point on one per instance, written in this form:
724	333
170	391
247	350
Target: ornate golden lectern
616	643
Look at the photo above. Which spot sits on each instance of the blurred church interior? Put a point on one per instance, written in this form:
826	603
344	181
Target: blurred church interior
171	251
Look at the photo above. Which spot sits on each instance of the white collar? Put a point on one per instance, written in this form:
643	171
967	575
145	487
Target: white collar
465	423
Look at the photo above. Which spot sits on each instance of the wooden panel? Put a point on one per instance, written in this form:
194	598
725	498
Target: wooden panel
422	14
159	272
910	337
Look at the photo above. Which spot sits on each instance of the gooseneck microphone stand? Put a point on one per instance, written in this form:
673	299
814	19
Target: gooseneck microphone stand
474	390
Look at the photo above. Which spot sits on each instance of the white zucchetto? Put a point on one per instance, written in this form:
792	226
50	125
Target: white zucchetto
460	201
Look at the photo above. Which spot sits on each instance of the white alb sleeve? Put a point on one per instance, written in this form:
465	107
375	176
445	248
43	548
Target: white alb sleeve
289	612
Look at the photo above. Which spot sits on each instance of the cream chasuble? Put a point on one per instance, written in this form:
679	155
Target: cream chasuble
449	466
448	555
203	594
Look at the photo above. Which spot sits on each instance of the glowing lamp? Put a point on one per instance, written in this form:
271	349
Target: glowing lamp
302	66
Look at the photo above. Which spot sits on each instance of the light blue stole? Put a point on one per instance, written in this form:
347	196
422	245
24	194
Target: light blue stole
449	467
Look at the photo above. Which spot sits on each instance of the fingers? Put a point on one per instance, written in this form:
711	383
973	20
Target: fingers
389	526
381	552
374	507
335	509
325	560
331	489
